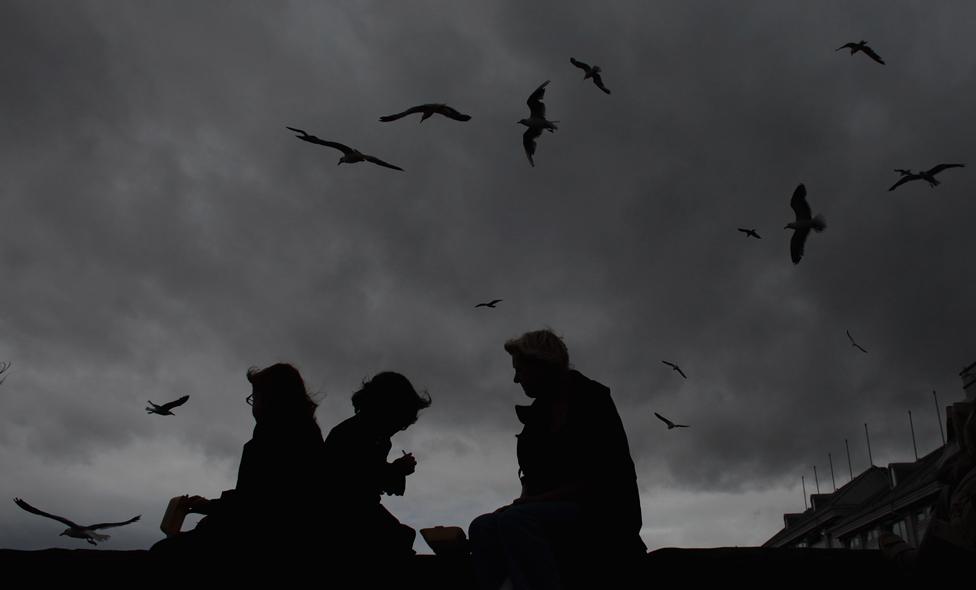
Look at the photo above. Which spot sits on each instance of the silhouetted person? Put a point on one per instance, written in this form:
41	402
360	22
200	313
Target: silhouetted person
273	509
577	520
366	535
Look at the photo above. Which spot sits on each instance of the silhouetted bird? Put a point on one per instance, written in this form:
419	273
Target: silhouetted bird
670	423
76	530
675	367
803	224
536	122
428	110
750	233
854	344
591	72
862	46
349	155
926	175
165	409
490	304
3	369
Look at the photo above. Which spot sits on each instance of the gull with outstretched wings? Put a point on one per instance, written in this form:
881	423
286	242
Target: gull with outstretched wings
536	122
166	409
750	233
490	304
803	224
349	155
926	175
591	72
675	367
427	111
862	46
74	529
670	423
854	344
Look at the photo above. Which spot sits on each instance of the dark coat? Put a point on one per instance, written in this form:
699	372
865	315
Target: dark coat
578	441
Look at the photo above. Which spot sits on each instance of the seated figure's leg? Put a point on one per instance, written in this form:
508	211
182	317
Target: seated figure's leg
529	534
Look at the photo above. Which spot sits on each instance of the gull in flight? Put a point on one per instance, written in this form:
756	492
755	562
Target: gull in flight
536	122
670	423
854	344
926	175
166	409
862	46
490	304
428	110
76	530
3	369
803	224
750	233
675	367
591	72
349	155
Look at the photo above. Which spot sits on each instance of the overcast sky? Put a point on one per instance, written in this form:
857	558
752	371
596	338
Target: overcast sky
161	231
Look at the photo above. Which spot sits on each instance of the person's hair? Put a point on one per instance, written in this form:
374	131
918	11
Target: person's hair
542	346
284	389
391	394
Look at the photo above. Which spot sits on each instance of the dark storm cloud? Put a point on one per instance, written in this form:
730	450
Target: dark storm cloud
162	231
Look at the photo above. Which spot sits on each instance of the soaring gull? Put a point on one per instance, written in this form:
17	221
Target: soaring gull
926	175
349	155
166	409
76	530
591	72
803	224
862	46
428	110
536	122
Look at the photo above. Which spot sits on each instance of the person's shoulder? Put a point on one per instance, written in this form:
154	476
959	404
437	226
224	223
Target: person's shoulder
589	388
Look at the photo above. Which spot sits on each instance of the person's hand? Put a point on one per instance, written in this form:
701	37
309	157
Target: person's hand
196	503
406	464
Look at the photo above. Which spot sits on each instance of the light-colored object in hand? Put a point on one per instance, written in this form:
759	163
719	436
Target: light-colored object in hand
446	540
174	516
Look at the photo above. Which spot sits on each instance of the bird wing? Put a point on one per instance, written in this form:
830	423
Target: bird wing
663	419
345	149
599	83
481	305
173	404
849	337
861	348
583	66
376	160
680	372
745	231
495	302
535	101
410	111
33	510
845	46
905	178
870	53
681	426
296	130
936	169
672	365
796	244
799	203
528	142
108	525
452	113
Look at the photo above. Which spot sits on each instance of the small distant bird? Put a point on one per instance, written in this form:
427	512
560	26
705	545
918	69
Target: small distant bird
349	155
428	110
750	233
854	344
536	122
862	46
165	409
926	175
670	423
76	530
803	224
3	369
490	304
675	367
591	72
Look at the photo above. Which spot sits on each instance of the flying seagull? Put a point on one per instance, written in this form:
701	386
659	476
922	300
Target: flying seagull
165	409
750	233
428	110
862	46
3	369
803	224
76	530
854	344
675	367
670	423
926	175
349	155
490	304
591	72
536	122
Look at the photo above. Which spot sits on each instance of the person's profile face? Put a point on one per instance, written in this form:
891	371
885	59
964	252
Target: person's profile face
530	374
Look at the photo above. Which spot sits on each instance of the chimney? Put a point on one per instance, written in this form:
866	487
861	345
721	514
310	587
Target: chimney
969	382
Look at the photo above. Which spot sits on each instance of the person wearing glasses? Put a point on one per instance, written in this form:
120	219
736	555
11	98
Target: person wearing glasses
278	477
355	464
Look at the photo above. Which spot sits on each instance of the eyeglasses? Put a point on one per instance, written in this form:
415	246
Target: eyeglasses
249	400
